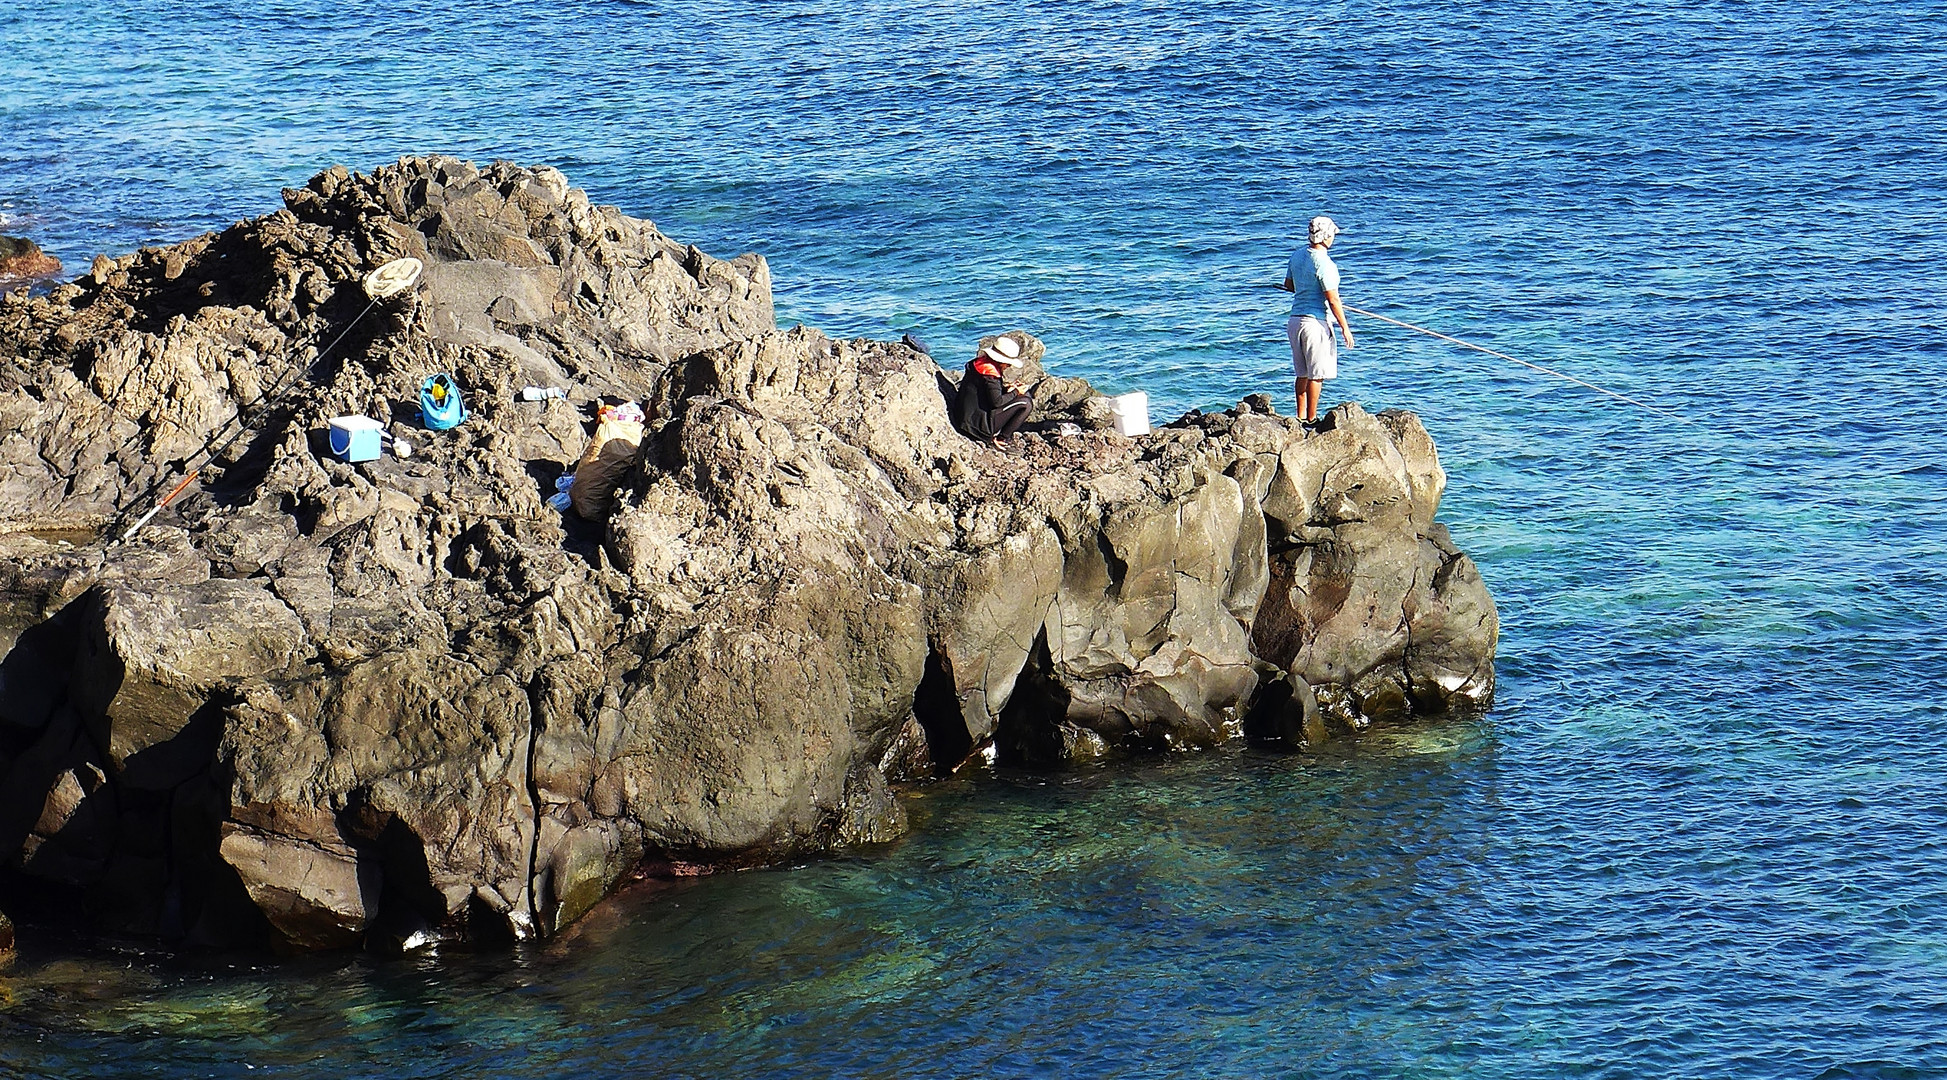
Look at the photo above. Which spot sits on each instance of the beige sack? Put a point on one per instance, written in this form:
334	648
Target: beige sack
608	458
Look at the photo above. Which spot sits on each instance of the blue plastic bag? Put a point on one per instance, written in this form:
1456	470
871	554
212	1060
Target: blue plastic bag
439	403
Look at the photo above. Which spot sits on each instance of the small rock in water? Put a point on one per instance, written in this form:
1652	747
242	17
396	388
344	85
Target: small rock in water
23	259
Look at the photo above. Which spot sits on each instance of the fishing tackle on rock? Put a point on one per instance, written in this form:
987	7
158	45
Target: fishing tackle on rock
385	282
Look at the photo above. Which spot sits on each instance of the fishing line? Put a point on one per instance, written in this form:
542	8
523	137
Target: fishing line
1523	363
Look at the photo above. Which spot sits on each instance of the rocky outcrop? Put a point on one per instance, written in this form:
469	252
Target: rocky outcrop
324	704
22	260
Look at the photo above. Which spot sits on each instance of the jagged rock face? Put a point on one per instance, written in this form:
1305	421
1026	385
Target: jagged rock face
324	704
115	377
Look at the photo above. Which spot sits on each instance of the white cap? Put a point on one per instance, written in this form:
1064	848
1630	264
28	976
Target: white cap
1004	350
1323	229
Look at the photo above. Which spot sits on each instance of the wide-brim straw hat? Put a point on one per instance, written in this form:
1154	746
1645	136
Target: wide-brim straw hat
1005	351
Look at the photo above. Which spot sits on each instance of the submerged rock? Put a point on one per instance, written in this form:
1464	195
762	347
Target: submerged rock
324	704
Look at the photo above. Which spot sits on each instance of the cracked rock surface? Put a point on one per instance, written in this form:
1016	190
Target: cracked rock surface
319	705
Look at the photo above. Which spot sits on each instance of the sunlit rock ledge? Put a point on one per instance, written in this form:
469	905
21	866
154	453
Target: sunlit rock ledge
320	705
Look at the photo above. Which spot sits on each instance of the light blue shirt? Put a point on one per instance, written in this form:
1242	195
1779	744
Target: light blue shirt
1313	274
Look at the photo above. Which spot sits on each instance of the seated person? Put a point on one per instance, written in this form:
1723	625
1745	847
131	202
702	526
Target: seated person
985	408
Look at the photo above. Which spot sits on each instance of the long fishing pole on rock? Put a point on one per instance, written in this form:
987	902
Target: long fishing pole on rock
385	282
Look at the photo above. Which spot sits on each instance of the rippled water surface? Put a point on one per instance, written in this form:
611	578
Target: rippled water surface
1702	834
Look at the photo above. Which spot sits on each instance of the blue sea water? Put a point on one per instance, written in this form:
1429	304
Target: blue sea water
1703	834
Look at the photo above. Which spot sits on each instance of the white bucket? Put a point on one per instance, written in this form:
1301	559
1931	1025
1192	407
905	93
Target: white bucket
1131	413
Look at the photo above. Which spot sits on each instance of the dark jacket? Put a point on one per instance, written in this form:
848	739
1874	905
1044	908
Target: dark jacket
984	405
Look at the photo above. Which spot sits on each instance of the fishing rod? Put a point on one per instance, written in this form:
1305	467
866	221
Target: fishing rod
386	281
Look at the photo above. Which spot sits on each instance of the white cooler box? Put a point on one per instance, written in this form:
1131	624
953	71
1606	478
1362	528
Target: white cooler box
355	438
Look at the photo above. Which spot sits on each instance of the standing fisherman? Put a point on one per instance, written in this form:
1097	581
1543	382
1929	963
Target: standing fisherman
1313	280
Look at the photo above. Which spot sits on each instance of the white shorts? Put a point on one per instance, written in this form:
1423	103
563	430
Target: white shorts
1314	352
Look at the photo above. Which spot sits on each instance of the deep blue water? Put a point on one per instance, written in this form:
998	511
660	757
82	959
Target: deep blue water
1703	834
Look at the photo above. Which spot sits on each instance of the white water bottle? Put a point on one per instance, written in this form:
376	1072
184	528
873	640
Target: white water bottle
542	393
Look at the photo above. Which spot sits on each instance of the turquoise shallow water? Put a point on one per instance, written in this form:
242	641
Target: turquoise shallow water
1703	833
